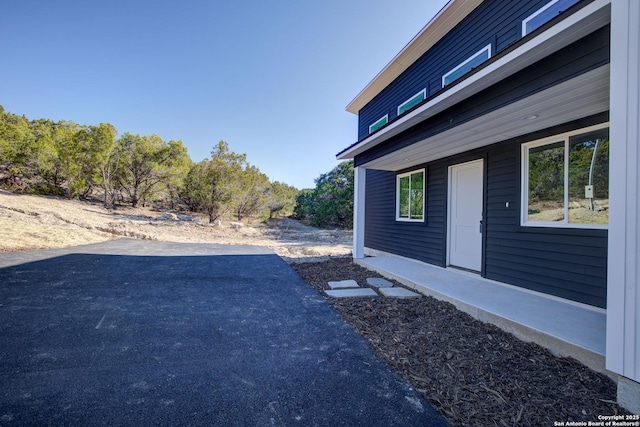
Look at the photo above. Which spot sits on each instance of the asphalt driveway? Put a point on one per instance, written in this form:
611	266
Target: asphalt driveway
148	333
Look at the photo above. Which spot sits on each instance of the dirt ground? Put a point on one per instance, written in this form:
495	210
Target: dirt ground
30	222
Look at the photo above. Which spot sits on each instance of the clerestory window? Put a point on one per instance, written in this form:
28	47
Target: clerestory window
379	123
468	65
545	14
413	101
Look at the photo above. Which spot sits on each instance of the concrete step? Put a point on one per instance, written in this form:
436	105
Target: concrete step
401	293
377	282
343	284
350	289
350	293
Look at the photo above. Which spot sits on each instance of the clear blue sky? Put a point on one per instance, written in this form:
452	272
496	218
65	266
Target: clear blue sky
272	78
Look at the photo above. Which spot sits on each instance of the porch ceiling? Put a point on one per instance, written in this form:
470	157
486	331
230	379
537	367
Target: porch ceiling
579	97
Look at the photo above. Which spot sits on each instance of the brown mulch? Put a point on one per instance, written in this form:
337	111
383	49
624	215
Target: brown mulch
473	373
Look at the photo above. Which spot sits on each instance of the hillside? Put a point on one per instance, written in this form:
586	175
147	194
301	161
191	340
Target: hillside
30	222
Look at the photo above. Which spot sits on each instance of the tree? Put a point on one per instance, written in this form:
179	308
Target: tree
330	203
250	192
225	184
281	199
200	191
141	161
85	179
65	158
227	167
16	148
304	204
45	167
69	144
104	158
546	174
175	171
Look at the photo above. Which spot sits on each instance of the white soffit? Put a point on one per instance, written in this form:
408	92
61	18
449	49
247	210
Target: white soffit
450	16
576	26
579	97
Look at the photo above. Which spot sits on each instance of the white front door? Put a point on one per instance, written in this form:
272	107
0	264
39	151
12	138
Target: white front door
465	215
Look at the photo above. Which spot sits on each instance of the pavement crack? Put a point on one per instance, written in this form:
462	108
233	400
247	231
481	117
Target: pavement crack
101	320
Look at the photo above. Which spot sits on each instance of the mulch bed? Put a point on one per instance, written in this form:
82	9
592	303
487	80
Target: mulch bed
473	373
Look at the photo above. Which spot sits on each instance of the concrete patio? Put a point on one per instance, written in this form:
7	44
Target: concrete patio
564	327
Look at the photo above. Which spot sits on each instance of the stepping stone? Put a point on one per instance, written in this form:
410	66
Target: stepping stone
398	293
348	293
342	284
378	282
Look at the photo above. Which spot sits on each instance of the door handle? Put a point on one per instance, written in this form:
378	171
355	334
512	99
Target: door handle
480	227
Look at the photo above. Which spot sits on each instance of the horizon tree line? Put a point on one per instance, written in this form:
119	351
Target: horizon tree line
66	159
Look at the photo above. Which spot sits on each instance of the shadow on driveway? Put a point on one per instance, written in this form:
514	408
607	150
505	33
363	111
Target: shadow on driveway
228	335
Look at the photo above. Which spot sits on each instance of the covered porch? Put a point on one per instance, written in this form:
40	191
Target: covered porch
564	327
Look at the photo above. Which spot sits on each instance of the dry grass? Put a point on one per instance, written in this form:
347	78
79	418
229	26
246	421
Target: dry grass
29	222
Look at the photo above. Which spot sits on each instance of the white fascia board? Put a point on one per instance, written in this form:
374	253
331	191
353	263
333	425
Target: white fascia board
583	22
445	20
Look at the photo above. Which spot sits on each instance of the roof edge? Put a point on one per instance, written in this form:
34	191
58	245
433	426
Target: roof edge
444	21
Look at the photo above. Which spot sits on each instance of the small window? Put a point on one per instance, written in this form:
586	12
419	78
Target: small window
379	123
413	101
467	66
410	196
545	14
566	180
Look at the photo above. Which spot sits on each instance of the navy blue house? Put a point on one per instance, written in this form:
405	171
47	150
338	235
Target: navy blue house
484	145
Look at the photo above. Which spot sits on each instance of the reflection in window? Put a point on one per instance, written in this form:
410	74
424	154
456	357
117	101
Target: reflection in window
379	123
545	14
589	178
546	183
566	180
467	66
411	196
412	102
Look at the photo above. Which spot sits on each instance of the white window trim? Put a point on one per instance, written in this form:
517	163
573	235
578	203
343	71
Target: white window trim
471	58
535	14
524	181
423	92
385	118
424	195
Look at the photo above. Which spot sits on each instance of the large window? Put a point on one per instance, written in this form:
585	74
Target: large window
545	14
566	180
468	65
410	196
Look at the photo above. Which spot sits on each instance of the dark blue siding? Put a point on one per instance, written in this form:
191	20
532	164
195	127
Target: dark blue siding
569	263
383	232
584	55
495	22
